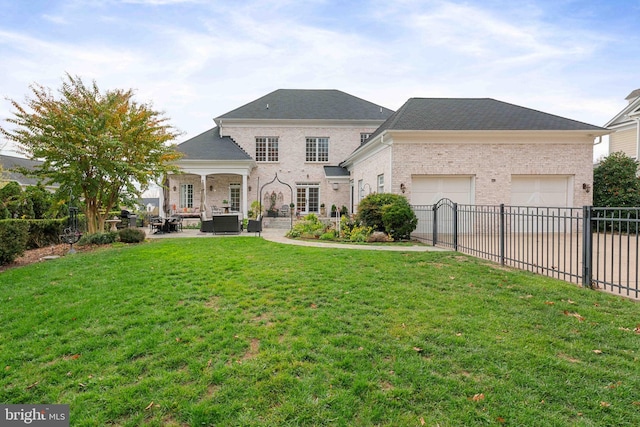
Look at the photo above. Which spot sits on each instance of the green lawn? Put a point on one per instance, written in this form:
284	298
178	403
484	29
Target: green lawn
242	331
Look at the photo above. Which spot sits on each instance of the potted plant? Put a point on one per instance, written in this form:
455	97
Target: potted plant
334	211
344	211
323	210
225	202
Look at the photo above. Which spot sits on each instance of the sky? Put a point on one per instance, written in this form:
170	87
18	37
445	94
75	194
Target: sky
198	59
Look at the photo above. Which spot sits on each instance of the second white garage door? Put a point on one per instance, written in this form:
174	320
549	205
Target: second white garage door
541	190
428	190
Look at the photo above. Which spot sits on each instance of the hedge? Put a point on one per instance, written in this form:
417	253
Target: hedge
13	239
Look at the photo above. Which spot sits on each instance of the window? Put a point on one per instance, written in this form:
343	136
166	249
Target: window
266	149
364	137
186	195
381	183
234	196
317	149
360	190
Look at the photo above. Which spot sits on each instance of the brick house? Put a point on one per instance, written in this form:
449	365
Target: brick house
477	151
626	127
300	135
315	147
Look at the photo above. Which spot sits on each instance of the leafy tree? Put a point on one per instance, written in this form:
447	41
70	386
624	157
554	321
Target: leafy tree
96	146
615	182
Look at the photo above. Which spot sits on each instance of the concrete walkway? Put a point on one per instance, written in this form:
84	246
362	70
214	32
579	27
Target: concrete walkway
278	236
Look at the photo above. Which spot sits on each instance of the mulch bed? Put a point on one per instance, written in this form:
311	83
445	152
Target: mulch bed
36	255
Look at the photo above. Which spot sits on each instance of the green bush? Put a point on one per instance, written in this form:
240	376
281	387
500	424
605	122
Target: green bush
309	227
44	232
99	238
13	239
399	220
131	235
354	231
387	212
615	183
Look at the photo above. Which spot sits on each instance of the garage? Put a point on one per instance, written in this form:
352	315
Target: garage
541	190
428	190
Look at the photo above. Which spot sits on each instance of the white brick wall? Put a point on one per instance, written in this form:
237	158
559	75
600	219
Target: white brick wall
492	166
292	167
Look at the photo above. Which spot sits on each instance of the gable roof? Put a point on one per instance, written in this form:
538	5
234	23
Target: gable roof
475	114
308	104
210	146
632	109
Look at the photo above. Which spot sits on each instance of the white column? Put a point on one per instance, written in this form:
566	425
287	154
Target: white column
203	196
245	210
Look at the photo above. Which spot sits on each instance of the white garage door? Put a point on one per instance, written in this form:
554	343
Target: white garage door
540	190
547	191
428	190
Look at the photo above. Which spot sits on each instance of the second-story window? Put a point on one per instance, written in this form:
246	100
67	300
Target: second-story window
317	150
266	149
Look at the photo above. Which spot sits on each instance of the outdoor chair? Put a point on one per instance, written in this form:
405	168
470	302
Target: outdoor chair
255	225
284	211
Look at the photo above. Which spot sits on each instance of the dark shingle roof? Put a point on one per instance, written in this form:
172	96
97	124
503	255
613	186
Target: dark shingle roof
335	171
474	114
309	104
9	163
210	146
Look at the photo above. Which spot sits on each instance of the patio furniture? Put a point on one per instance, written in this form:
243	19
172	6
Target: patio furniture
156	223
284	211
222	223
255	225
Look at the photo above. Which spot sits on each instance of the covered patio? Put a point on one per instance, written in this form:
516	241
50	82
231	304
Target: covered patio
214	179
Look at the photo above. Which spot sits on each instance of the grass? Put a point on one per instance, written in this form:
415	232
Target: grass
247	332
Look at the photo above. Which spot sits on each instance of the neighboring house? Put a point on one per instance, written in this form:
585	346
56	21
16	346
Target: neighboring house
626	127
151	205
333	148
300	135
477	151
10	163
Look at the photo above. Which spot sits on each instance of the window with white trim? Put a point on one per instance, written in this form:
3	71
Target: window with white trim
186	195
381	183
307	197
317	149
360	190
266	148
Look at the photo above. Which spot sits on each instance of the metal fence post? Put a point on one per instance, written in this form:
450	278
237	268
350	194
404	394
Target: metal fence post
501	233
435	224
455	227
587	247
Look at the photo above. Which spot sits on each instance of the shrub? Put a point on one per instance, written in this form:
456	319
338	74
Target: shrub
309	227
44	232
354	231
131	235
13	240
399	219
387	212
99	238
615	183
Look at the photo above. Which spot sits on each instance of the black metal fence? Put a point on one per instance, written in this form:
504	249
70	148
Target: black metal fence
594	247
